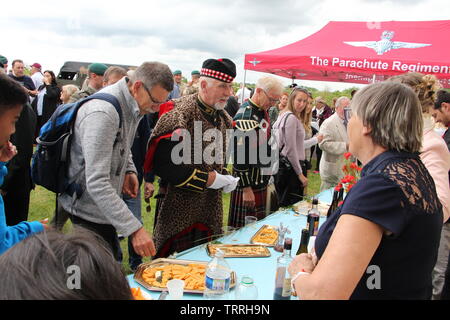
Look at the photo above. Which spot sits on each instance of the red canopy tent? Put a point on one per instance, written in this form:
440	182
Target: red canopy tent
362	52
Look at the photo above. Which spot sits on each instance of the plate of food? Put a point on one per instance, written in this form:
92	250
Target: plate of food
266	236
303	207
239	250
155	275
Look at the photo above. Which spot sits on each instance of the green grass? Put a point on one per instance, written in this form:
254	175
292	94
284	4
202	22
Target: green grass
42	205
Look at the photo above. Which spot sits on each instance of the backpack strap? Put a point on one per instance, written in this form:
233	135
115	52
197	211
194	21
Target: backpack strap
283	130
108	98
76	187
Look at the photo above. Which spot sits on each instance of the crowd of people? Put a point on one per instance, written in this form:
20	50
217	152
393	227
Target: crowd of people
179	133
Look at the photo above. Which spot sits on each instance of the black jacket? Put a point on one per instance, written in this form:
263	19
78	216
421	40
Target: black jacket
51	101
19	167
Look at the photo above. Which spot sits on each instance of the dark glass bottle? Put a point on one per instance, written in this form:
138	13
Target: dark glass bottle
334	203
282	278
313	218
340	197
303	248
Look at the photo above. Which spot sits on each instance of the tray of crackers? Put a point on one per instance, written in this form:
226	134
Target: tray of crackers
265	236
238	250
155	274
303	207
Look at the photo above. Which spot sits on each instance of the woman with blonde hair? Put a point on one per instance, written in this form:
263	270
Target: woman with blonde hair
290	125
67	91
310	131
436	158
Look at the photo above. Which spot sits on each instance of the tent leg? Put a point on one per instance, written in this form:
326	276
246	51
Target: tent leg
374	78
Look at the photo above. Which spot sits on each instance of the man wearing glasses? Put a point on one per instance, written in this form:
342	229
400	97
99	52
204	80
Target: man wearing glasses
191	211
101	161
334	144
251	137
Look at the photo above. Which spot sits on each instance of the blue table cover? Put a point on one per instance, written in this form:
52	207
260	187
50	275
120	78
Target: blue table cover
262	270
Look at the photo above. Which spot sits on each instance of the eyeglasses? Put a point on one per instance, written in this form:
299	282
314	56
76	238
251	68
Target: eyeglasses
270	99
156	103
348	114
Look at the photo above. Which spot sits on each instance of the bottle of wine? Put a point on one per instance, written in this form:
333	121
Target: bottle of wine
334	203
340	197
303	248
313	218
282	278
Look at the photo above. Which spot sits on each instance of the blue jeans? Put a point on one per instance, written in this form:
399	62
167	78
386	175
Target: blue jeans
134	204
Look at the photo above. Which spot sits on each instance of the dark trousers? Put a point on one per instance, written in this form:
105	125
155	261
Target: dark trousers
106	232
17	202
288	186
319	156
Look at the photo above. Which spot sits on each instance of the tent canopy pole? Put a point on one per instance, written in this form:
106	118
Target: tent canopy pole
245	76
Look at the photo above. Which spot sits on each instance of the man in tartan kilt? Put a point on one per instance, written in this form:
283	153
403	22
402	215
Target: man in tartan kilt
250	146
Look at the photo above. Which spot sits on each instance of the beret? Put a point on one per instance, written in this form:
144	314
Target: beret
3	60
176	72
97	68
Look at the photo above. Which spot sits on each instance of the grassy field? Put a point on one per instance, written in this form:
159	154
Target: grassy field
42	205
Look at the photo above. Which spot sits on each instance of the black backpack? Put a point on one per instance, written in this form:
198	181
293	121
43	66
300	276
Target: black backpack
50	162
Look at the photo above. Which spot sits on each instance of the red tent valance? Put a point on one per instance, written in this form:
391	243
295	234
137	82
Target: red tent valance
359	51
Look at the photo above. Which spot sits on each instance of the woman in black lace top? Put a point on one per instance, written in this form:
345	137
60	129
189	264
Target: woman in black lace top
382	242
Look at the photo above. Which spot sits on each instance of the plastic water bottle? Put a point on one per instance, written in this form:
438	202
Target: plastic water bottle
217	278
246	289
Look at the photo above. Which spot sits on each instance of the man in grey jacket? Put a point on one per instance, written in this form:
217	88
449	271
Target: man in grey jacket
102	164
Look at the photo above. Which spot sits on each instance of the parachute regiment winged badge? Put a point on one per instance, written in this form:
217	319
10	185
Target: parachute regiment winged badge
385	44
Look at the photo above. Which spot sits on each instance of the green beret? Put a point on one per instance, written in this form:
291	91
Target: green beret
176	72
3	60
195	72
97	68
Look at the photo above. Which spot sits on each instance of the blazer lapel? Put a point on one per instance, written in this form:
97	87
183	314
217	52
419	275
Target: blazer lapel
340	127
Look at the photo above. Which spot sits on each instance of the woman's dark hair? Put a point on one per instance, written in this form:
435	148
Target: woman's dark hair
11	94
53	76
45	265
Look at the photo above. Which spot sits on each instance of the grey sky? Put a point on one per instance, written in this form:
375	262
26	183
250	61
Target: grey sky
183	33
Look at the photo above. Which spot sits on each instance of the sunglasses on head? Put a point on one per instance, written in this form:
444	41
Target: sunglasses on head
302	89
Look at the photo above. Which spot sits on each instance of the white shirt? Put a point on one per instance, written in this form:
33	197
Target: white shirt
40	101
38	79
243	95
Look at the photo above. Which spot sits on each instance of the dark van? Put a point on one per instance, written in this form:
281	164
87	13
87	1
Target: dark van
75	72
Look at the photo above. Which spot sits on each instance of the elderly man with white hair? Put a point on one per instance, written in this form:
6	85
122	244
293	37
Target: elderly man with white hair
251	137
333	145
187	151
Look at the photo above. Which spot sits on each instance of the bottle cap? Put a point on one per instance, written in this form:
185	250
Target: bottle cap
315	201
246	280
